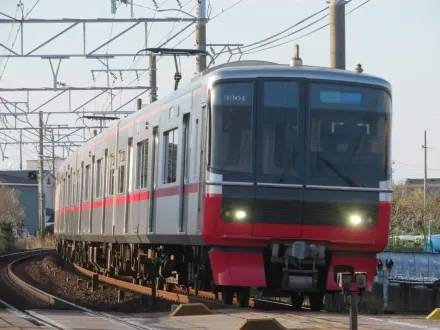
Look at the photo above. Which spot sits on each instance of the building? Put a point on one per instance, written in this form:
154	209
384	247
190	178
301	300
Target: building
34	165
26	182
433	185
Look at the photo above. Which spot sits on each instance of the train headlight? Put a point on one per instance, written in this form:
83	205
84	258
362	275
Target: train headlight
234	215
355	219
240	215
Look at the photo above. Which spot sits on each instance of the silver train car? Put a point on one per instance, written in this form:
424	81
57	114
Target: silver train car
253	175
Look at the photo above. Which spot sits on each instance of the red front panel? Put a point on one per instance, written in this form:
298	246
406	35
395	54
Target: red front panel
218	232
238	268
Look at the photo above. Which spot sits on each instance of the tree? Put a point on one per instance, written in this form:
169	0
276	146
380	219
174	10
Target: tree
409	215
11	215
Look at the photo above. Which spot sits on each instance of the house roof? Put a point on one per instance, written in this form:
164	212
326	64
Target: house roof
20	177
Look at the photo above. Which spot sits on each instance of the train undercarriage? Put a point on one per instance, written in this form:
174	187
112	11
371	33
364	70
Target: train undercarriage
296	270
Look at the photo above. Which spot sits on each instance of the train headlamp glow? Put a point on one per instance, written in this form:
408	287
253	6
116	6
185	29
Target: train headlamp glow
355	219
240	214
234	215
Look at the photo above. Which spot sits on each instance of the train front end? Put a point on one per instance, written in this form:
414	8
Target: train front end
298	183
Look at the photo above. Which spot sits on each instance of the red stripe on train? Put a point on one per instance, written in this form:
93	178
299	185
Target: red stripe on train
130	198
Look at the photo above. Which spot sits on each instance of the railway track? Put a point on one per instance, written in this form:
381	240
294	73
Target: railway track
46	298
183	296
207	298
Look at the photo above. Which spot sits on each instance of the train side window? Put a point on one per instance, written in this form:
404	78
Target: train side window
68	189
98	178
170	160
74	188
121	174
142	164
78	187
111	185
63	190
86	183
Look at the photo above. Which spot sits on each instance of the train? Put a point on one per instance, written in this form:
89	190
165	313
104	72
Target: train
255	175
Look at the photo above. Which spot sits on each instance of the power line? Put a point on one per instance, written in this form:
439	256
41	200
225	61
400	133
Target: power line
18	30
289	28
305	35
143	56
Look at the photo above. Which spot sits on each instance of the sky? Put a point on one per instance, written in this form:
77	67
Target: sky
398	40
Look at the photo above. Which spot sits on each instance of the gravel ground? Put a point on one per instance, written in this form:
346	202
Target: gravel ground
62	280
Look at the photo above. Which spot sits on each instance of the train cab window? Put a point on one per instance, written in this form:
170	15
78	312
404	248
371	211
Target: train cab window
231	128
142	164
86	183
171	142
348	130
111	184
121	172
278	142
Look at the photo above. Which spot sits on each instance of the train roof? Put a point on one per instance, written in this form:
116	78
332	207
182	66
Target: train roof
253	69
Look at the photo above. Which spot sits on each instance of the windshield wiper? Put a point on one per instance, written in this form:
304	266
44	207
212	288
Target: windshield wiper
334	169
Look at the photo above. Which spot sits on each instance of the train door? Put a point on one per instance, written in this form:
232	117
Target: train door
279	152
183	216
153	181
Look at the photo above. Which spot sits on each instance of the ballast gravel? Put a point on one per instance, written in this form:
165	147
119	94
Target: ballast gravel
61	279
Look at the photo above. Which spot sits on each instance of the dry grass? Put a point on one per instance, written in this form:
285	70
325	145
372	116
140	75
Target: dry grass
45	242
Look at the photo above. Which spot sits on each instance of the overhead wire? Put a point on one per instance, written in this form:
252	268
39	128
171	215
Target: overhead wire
181	41
10	33
303	36
143	56
18	31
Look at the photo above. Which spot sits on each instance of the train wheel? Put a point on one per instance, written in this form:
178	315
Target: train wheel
227	295
297	300
243	296
316	302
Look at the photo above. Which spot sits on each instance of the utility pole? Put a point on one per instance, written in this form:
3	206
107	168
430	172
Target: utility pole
53	153
201	34
21	150
41	177
337	34
153	81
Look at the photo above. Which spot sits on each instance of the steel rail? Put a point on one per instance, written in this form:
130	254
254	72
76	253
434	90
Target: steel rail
183	296
25	314
57	302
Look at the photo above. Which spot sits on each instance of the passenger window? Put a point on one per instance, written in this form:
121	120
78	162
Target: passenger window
170	158
111	186
86	183
121	174
142	164
98	179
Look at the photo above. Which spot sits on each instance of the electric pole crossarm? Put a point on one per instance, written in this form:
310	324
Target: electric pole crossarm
50	89
83	23
94	20
24	114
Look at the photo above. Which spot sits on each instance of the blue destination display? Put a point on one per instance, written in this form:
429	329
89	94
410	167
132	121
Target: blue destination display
340	97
